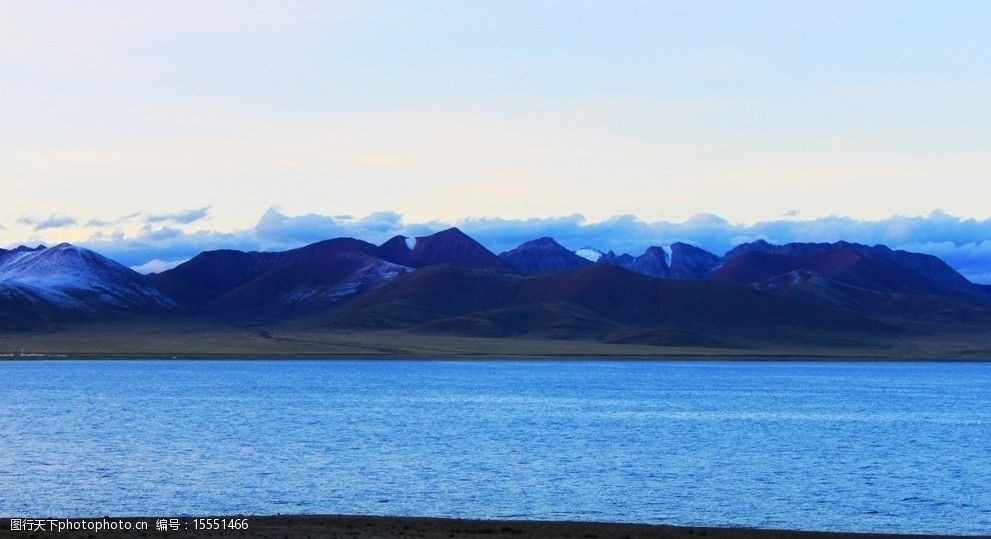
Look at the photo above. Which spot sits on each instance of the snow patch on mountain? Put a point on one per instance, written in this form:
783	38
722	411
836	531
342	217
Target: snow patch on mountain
369	276
589	253
410	243
372	275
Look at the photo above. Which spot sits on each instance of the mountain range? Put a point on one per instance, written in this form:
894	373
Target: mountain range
449	284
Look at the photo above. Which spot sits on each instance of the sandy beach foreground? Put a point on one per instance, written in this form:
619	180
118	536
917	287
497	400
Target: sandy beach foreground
372	527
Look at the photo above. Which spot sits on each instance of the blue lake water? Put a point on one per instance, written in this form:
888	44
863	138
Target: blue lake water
900	447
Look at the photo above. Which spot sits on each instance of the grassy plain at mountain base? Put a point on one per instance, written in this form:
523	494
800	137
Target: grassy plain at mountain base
203	339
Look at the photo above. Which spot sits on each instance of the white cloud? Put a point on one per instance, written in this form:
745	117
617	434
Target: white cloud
184	217
112	222
55	220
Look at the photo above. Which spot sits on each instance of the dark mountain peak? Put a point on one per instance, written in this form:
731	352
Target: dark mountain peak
542	255
335	247
341	244
540	244
654	255
217	253
451	246
686	247
690	262
610	257
761	246
397	249
211	274
799	248
653	262
451	233
941	277
545	242
219	260
395	240
845	272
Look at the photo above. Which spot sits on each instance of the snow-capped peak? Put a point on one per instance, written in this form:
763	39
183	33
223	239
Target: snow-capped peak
589	253
77	278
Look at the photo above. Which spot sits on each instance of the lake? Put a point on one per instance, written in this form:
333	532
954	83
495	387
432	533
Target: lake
848	446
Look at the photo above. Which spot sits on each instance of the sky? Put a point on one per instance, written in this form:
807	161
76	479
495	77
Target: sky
152	129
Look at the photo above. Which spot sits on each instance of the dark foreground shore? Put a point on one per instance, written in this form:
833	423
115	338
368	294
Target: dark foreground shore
369	527
203	340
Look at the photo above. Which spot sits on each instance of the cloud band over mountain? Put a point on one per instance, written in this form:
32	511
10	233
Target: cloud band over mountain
963	243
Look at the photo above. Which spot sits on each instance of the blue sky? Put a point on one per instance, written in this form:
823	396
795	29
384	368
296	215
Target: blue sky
478	112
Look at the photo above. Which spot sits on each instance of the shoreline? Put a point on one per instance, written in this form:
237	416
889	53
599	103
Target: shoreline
395	527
